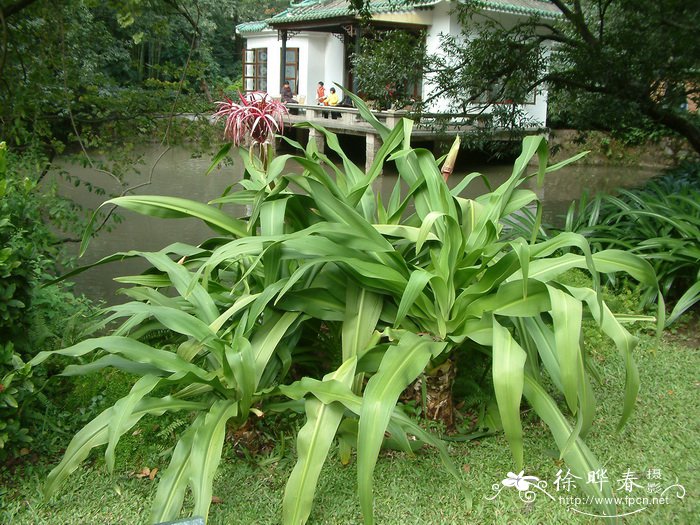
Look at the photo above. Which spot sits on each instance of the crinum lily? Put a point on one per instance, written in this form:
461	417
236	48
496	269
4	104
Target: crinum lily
254	120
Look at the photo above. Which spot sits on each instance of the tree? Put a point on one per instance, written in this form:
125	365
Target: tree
611	64
389	67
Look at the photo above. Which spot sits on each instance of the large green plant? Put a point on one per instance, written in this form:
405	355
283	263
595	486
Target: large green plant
404	280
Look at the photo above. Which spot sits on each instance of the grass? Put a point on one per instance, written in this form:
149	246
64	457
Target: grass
663	434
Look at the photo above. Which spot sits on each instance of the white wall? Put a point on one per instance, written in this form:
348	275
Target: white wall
334	67
321	57
445	23
442	23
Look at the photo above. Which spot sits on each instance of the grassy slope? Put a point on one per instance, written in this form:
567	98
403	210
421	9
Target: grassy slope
663	434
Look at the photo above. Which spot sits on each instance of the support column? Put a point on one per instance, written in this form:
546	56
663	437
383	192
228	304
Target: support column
319	138
283	57
358	38
372	145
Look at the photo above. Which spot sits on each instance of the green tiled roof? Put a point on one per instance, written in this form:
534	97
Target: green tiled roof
520	7
324	9
310	10
252	27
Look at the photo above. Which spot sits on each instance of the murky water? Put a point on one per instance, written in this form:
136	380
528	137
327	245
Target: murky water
176	172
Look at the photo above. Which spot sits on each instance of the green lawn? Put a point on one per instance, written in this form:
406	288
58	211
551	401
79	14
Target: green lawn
664	434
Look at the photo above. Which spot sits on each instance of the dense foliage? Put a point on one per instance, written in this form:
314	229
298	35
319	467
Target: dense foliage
389	67
101	72
32	317
369	291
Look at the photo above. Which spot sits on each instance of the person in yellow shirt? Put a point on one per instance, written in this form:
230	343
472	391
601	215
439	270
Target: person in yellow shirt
332	98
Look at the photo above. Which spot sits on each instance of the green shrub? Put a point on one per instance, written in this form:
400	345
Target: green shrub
660	222
32	317
15	387
405	282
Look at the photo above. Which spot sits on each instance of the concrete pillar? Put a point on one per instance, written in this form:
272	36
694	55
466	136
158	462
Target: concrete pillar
392	119
319	138
372	143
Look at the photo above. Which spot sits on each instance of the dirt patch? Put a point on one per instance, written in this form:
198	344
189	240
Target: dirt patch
686	330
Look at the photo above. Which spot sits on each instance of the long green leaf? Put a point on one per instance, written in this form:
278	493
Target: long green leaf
173	483
578	457
95	433
313	443
121	414
206	453
566	316
508	372
172	207
268	337
362	310
624	341
401	364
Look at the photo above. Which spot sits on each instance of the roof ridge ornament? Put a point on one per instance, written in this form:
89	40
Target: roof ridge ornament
303	3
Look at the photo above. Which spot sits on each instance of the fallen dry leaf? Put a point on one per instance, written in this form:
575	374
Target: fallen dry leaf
216	500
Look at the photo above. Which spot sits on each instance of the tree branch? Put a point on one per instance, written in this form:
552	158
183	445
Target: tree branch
15	8
578	20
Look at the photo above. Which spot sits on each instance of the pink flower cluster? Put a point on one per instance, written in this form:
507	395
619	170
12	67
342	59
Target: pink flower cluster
257	116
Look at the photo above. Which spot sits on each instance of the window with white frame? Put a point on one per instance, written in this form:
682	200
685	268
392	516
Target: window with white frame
255	69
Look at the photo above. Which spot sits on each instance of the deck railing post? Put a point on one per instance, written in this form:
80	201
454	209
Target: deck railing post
372	145
318	137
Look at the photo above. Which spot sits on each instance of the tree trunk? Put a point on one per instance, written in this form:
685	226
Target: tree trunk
438	401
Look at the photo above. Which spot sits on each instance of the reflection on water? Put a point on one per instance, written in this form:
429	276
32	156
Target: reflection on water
178	174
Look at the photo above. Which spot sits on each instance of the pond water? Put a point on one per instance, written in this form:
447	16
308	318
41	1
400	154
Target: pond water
176	172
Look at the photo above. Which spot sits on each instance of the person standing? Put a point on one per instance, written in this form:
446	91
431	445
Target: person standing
320	93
